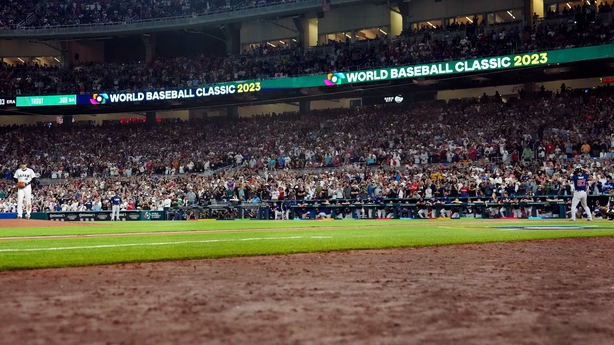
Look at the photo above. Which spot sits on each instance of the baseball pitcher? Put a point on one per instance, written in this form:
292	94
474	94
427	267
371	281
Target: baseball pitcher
24	177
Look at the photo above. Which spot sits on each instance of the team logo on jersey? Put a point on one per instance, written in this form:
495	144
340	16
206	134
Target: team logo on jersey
334	79
99	98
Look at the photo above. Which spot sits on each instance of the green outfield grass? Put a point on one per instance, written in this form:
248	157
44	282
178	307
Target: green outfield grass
108	243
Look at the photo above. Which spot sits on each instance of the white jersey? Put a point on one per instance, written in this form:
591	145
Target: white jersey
26	175
24	194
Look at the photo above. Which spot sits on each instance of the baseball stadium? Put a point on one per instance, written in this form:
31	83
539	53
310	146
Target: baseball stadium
306	172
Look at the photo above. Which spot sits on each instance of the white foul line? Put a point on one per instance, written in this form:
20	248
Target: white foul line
149	244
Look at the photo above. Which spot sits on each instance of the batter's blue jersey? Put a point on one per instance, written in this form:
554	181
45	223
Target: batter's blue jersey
116	200
580	182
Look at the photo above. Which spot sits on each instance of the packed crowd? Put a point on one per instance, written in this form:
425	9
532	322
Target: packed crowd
464	148
587	11
45	14
260	63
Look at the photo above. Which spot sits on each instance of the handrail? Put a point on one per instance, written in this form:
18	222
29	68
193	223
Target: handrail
164	23
149	25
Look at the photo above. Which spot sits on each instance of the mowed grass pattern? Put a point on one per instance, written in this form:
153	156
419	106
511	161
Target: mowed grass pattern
109	243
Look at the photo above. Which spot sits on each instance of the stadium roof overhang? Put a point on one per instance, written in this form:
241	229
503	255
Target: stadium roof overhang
208	20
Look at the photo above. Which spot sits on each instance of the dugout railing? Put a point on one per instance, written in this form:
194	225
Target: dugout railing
543	206
410	210
556	206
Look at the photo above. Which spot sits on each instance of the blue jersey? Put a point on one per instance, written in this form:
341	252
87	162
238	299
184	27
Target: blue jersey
288	204
116	200
580	182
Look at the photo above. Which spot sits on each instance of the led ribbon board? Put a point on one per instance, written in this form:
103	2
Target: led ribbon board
44	101
497	63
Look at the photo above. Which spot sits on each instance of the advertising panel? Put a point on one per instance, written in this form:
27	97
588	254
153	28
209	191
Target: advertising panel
153	215
92	216
57	216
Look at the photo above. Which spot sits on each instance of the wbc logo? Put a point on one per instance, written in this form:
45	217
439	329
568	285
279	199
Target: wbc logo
334	79
99	98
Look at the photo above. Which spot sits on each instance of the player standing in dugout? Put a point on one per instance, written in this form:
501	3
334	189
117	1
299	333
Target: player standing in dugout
24	177
607	211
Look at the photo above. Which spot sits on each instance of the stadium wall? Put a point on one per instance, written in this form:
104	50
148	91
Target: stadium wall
292	107
22	48
86	50
90	216
264	30
508	91
97	118
344	19
421	10
396	24
312	32
359	16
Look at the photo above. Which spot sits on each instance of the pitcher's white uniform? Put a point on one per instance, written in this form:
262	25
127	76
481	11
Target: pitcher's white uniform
25	175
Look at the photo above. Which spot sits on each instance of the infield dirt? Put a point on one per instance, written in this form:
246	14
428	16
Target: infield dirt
541	292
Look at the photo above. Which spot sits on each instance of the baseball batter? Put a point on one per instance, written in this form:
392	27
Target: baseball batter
580	182
24	177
